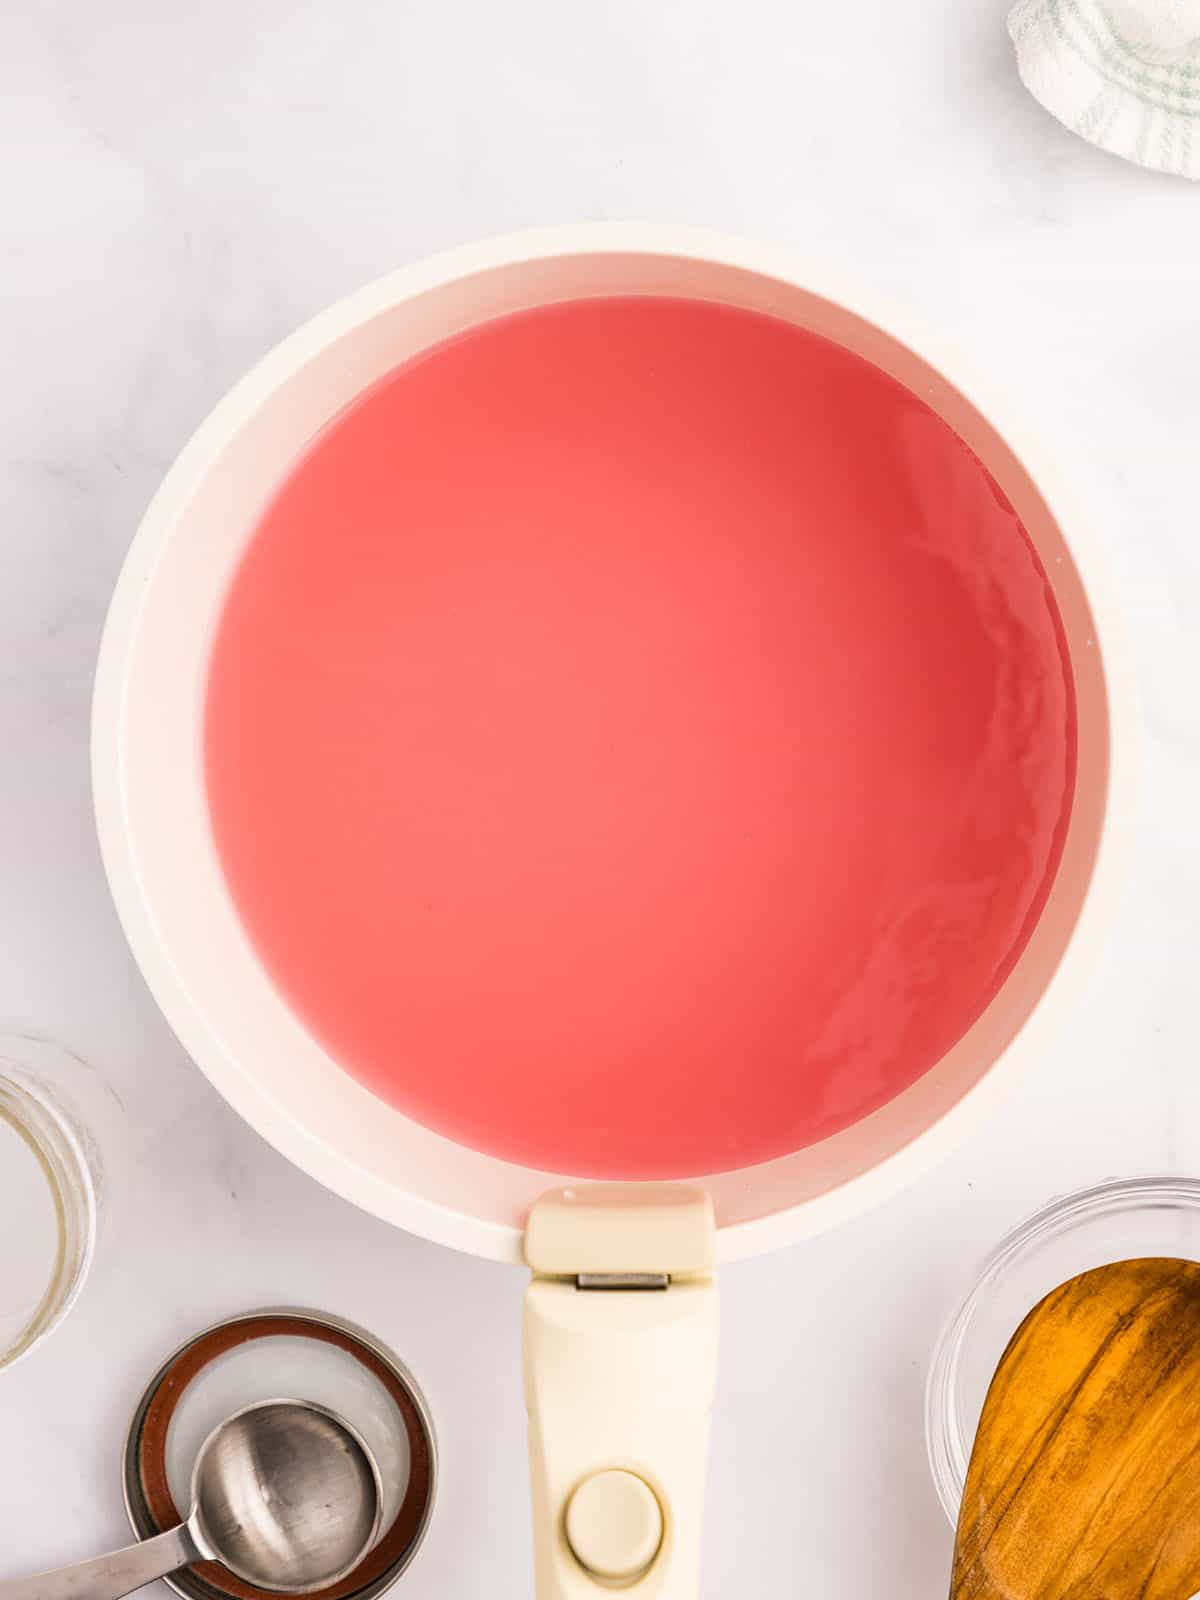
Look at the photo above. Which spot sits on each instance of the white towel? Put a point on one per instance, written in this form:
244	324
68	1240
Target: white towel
1123	73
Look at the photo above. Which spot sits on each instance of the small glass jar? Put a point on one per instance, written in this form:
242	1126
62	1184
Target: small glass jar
1115	1221
51	1188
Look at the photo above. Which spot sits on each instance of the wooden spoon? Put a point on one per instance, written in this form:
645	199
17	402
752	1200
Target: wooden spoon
1084	1481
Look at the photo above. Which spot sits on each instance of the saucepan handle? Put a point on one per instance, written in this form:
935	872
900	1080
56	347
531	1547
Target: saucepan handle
620	1350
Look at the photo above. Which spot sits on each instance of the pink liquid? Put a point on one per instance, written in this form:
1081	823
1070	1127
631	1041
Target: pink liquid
639	738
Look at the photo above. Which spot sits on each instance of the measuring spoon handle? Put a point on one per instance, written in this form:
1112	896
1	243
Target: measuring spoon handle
109	1577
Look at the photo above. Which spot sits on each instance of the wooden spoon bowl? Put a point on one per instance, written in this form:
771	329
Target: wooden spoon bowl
1084	1482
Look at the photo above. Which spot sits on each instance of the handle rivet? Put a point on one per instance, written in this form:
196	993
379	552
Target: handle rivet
614	1525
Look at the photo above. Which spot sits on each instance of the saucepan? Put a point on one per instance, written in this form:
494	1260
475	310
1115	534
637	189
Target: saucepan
620	1336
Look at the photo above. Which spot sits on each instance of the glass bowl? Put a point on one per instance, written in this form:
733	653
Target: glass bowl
1115	1221
48	1201
63	1159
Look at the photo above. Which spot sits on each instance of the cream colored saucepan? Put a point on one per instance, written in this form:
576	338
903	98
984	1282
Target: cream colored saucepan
621	1320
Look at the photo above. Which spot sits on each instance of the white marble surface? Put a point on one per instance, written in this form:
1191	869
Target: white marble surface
179	185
